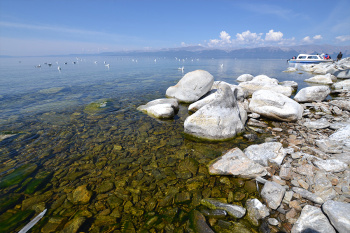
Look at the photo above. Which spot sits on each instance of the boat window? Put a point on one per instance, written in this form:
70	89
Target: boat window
312	57
302	57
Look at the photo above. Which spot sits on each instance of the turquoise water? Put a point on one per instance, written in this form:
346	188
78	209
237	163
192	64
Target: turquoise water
78	128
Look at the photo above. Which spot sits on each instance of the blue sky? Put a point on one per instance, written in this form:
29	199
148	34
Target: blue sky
37	27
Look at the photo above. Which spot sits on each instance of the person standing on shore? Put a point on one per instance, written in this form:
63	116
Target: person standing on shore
340	55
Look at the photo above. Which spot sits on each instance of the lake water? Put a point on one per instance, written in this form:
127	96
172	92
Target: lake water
77	146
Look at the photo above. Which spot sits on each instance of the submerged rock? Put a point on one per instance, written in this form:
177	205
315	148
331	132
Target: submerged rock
218	120
311	94
199	223
275	106
233	210
192	86
236	163
338	214
312	220
160	108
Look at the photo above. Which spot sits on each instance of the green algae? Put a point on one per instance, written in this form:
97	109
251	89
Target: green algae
9	222
18	175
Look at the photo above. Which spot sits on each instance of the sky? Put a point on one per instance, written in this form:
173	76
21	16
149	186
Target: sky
59	27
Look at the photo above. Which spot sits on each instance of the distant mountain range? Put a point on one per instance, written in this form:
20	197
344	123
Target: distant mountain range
261	52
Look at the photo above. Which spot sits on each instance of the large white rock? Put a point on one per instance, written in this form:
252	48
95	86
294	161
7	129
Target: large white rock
160	108
245	78
192	86
311	94
339	215
275	106
240	93
218	120
343	85
312	220
342	74
272	152
321	79
236	163
331	165
263	82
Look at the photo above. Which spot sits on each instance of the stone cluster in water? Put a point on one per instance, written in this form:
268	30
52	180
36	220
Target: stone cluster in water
306	164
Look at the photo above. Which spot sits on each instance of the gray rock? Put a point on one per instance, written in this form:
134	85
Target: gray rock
342	135
240	93
308	195
268	151
192	86
273	194
275	106
311	94
339	215
160	108
272	221
342	73
329	146
291	84
312	220
236	163
318	124
233	210
331	165
342	104
256	211
343	157
218	120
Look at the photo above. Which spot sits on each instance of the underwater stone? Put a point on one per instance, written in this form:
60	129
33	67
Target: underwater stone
233	210
81	195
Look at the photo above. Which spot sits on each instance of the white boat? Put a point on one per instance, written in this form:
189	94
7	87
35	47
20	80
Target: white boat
309	58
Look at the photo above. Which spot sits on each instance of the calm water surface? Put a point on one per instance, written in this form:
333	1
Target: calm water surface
77	146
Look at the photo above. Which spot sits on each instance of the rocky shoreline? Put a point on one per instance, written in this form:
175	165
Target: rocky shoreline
304	167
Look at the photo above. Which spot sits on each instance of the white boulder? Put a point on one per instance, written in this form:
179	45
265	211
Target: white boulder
218	120
338	214
272	152
160	108
311	94
245	78
321	79
343	85
191	87
275	106
236	163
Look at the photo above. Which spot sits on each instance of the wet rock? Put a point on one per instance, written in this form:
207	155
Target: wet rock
308	195
275	106
236	163
199	223
218	120
105	187
217	214
29	202
192	86
160	108
338	214
312	220
273	194
73	225
331	165
256	211
11	221
82	195
272	152
233	210
311	94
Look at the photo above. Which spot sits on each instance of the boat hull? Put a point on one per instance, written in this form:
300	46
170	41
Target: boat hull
308	61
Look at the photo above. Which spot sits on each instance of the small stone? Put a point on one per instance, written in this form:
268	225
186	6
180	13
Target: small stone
273	194
295	205
291	214
288	197
303	184
272	221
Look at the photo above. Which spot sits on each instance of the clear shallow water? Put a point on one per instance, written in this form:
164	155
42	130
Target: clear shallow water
79	126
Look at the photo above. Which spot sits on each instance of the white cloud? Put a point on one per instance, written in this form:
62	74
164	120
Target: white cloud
317	37
307	39
273	36
225	40
248	37
343	38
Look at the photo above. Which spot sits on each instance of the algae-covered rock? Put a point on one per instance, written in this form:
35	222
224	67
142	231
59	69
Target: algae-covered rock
9	223
198	222
105	187
98	106
39	181
29	202
17	176
10	201
233	210
73	225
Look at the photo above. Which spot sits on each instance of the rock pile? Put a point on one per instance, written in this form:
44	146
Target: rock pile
305	165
